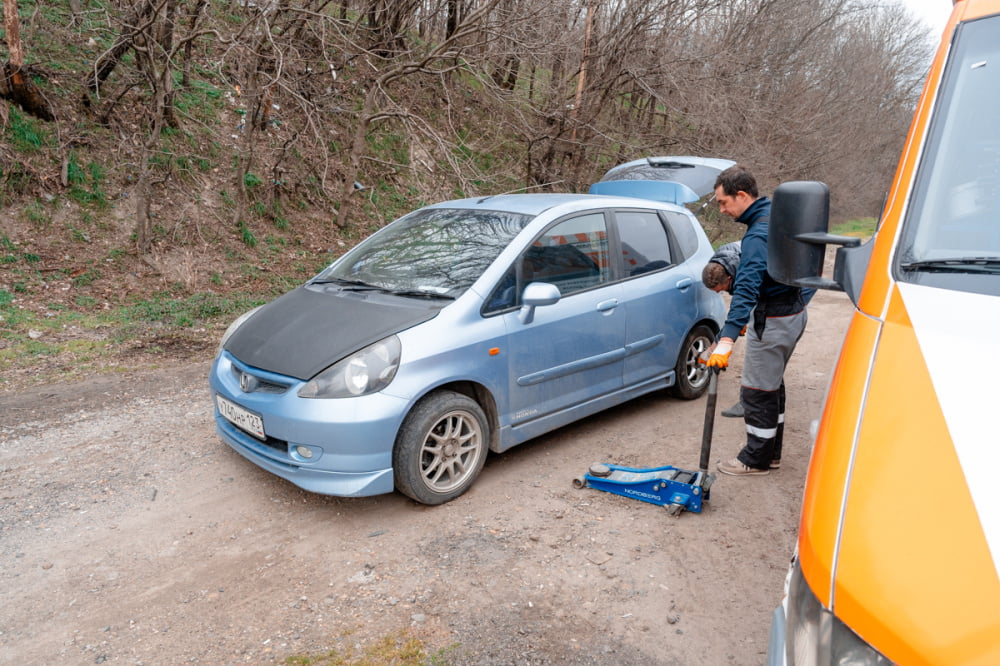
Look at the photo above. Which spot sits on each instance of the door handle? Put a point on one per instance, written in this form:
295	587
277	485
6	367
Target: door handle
684	283
608	305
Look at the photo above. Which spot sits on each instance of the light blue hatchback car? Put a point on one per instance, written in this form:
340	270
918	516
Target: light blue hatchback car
470	326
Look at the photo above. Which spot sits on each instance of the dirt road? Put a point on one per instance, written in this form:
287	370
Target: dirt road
129	534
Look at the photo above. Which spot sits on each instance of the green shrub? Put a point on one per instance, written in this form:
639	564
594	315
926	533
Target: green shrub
246	234
25	133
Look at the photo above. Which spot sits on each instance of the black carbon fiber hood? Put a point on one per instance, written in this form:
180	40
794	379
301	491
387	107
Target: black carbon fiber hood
312	327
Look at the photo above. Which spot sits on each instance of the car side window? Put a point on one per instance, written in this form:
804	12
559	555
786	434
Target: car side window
644	243
572	255
682	229
504	295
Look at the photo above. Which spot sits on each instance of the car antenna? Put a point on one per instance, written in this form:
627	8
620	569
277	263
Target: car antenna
519	189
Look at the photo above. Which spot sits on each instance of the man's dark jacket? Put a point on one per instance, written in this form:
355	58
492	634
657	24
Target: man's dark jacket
752	286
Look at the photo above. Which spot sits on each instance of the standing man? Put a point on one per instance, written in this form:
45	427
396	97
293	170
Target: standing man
775	317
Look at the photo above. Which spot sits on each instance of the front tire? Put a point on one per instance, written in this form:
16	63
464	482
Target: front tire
441	448
691	377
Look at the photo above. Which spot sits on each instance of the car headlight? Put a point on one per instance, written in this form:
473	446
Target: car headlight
816	637
235	325
363	372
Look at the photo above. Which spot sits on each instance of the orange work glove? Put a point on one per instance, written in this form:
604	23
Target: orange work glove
744	331
720	353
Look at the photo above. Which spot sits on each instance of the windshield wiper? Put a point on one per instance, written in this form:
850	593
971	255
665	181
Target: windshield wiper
956	265
354	284
417	293
358	285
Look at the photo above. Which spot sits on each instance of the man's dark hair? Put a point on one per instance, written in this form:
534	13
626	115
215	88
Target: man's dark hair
714	275
735	179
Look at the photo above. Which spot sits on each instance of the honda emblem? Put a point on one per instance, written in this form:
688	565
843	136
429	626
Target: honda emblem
248	383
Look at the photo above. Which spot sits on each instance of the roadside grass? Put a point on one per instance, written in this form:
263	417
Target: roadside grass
59	342
862	228
396	649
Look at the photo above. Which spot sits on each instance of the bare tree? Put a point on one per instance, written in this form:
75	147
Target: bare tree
150	33
468	96
135	21
379	103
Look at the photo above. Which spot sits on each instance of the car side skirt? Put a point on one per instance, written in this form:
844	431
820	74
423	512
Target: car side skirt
511	436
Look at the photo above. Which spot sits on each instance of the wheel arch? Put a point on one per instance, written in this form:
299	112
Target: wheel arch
482	395
707	321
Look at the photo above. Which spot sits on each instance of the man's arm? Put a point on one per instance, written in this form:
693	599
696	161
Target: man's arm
746	284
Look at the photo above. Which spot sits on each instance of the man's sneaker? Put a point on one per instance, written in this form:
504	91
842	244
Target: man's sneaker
775	464
734	412
735	468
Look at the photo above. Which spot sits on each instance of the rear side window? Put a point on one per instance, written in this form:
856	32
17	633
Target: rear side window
682	229
644	242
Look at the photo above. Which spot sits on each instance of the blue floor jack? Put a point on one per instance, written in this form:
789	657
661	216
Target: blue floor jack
671	487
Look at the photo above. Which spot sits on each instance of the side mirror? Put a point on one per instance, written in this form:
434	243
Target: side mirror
536	294
797	239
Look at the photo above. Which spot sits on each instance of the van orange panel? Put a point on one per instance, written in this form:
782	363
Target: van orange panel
908	510
828	468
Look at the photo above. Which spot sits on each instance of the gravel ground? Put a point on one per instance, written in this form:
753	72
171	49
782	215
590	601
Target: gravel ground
129	534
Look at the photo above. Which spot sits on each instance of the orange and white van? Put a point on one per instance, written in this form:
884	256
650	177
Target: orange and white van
899	540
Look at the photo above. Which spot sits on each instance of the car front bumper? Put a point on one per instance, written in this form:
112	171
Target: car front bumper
348	442
776	643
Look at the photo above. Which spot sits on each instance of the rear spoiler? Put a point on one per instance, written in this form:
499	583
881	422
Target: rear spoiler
656	190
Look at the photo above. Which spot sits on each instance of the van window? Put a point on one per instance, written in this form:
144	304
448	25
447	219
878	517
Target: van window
951	235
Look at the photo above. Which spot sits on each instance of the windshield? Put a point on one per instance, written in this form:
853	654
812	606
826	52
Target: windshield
951	237
432	251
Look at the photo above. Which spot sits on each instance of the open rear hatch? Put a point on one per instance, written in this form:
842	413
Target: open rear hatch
671	179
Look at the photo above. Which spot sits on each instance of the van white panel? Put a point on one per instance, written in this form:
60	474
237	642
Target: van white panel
957	333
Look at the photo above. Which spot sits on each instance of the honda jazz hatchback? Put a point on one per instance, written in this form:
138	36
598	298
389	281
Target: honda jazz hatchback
464	327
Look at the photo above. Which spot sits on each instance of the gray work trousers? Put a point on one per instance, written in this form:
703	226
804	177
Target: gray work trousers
770	344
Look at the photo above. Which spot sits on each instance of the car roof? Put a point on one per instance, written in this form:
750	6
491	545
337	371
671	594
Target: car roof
535	204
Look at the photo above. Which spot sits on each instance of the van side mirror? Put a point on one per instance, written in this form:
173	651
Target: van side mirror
797	239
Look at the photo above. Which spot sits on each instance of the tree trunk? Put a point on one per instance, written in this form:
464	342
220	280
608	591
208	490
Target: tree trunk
189	44
144	186
354	158
453	20
165	39
14	82
581	81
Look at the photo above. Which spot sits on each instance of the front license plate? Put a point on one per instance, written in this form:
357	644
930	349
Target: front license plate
241	418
